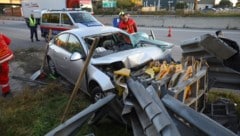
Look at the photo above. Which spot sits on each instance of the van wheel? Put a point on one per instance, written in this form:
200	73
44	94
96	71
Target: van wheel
97	94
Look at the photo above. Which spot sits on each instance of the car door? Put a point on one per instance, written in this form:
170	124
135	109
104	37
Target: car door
61	55
73	68
66	22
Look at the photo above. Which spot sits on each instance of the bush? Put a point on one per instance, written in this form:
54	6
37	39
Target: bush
181	5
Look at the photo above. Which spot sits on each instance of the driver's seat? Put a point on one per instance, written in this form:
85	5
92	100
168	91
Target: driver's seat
108	44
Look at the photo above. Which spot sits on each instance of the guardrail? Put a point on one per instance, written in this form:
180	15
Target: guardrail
214	51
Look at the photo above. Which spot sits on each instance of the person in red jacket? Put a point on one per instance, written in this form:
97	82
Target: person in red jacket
5	55
128	24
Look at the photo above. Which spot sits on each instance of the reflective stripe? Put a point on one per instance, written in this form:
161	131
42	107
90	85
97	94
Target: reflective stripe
5	88
32	22
4	85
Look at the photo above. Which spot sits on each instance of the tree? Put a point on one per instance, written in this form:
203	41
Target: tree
225	4
123	4
238	4
181	5
195	5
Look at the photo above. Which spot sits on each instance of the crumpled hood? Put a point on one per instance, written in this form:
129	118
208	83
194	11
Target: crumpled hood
131	58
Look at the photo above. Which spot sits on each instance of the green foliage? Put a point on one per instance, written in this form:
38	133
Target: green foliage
181	5
124	4
225	4
36	111
215	94
238	4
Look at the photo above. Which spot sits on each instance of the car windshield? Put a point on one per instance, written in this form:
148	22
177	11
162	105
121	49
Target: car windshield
82	17
110	43
142	39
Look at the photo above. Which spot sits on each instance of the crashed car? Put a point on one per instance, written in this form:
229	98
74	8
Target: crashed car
116	49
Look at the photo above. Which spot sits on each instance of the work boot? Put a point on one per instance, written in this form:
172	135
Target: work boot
37	40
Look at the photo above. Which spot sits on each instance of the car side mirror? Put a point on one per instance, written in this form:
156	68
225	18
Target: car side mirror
75	56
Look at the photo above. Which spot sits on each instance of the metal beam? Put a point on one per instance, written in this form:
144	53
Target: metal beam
200	121
69	126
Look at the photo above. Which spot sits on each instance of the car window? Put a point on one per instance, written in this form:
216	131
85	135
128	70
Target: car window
122	38
82	17
109	43
74	45
61	40
65	19
50	18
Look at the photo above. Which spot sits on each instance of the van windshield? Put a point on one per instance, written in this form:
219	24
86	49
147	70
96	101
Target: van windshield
82	17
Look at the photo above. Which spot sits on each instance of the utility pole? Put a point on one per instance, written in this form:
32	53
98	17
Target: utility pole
158	5
195	5
169	4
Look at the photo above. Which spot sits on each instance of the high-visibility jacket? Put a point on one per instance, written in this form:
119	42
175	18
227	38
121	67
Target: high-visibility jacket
4	67
129	26
4	78
32	22
5	52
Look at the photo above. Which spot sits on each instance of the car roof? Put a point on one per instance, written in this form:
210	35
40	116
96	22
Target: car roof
63	11
88	31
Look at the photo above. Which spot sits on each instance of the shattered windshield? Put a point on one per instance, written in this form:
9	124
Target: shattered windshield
142	39
110	43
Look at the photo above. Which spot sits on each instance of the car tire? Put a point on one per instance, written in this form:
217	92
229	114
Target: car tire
97	94
52	67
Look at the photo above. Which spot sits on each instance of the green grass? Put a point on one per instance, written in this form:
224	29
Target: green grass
36	111
32	112
215	94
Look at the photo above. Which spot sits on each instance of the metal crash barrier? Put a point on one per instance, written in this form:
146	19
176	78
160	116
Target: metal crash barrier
164	98
215	51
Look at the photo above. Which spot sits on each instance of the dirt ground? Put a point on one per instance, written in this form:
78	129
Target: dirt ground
24	64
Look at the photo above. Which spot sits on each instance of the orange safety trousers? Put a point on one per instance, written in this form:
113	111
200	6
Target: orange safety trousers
4	79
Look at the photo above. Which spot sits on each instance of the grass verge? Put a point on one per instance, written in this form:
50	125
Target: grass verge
216	94
36	111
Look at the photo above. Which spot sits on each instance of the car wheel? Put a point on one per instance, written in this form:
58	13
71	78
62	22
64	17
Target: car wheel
97	94
52	67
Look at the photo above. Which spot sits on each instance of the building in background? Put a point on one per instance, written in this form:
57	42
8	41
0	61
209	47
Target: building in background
155	5
10	7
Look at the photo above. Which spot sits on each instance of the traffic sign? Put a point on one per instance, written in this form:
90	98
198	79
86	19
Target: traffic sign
109	3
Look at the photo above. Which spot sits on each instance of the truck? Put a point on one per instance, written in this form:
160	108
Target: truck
36	7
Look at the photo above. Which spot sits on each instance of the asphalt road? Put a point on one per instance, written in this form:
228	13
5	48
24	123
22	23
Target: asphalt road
20	35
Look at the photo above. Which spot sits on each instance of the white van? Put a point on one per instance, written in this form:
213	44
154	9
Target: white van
61	20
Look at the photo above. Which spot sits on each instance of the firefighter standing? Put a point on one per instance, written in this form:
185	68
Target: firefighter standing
127	23
5	55
32	24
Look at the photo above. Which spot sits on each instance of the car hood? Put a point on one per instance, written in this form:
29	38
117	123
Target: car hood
131	58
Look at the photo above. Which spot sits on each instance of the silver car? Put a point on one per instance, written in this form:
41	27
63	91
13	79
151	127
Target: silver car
116	49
